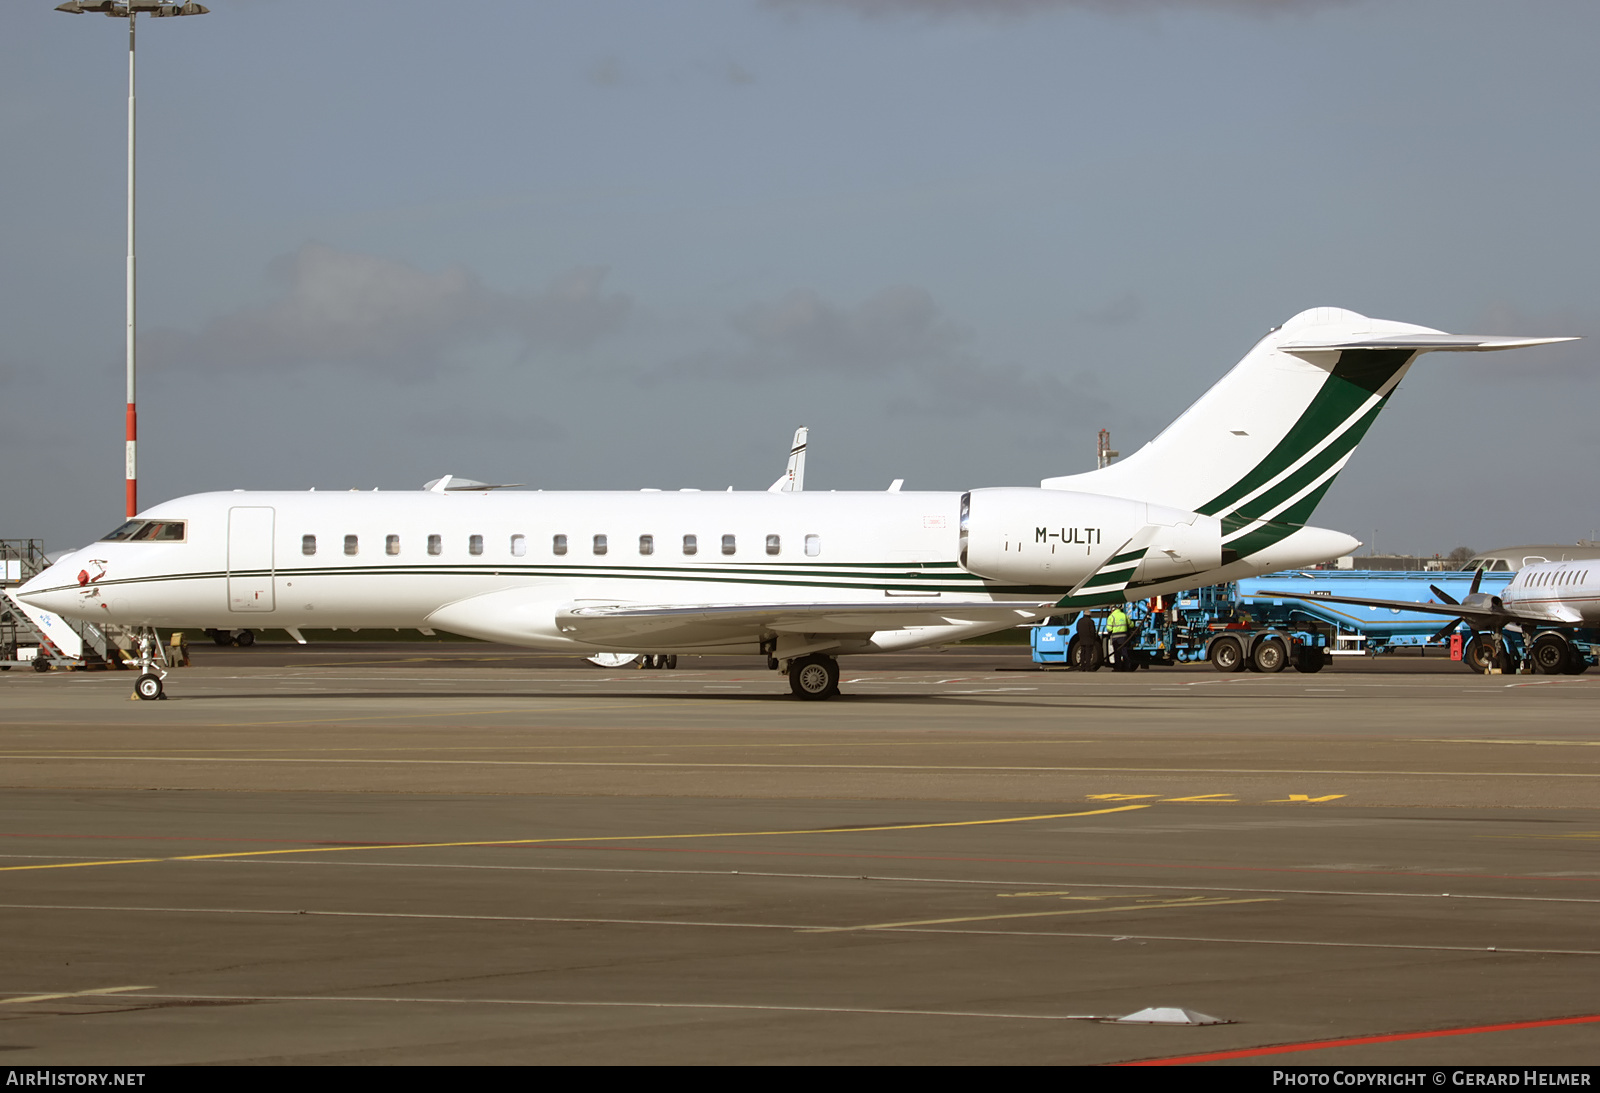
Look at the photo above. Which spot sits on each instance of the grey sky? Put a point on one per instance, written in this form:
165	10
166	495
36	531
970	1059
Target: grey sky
623	244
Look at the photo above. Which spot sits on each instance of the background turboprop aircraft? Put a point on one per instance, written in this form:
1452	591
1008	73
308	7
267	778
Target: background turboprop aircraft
800	577
1552	600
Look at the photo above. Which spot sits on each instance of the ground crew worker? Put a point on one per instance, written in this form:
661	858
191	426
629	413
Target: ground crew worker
1117	626
1088	640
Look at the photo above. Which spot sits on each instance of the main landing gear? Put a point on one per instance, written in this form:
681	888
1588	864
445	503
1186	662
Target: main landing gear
814	677
232	637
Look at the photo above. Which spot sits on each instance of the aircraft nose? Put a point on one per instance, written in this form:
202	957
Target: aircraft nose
52	588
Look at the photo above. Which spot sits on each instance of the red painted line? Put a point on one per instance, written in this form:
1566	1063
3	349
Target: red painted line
1356	1041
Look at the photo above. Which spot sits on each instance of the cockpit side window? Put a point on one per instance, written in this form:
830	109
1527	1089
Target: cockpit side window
124	532
148	531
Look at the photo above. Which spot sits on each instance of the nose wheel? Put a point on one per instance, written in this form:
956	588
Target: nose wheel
814	677
152	668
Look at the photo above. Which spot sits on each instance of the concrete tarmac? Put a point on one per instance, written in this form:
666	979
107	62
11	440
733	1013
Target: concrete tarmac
459	853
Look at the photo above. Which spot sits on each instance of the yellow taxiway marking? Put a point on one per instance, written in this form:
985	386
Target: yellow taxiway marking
1190	901
69	994
1541	743
573	839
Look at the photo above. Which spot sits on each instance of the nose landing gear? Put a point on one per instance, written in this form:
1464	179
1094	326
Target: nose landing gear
152	668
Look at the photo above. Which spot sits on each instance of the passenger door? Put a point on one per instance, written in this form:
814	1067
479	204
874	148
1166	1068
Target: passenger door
250	559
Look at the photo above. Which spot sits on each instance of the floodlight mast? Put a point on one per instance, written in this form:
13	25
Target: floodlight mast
128	9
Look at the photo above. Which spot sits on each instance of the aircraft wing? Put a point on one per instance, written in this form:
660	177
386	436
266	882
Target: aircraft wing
1480	617
621	622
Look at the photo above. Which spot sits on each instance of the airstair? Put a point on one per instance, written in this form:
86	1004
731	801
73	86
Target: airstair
40	639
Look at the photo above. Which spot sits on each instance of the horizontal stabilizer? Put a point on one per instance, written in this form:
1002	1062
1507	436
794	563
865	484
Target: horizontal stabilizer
1424	343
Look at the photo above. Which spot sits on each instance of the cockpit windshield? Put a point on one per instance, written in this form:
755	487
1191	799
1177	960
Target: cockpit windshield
149	531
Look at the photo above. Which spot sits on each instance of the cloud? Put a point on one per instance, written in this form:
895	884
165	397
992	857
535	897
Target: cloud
898	337
387	315
606	72
955	391
1021	8
1125	310
893	326
488	424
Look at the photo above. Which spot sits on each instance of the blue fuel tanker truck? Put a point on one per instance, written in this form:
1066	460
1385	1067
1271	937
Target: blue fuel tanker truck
1235	627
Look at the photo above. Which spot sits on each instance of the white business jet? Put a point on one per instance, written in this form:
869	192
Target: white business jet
1555	605
800	577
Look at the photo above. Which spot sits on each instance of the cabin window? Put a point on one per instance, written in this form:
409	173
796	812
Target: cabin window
519	545
352	544
558	545
308	545
599	544
647	544
691	545
474	544
728	546
391	544
435	545
813	545
772	544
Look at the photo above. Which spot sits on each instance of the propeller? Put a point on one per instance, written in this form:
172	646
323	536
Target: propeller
1445	597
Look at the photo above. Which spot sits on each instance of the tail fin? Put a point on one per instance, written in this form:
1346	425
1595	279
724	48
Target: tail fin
794	475
1266	442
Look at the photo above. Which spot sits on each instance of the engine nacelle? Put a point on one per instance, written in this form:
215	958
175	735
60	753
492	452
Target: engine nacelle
1057	538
